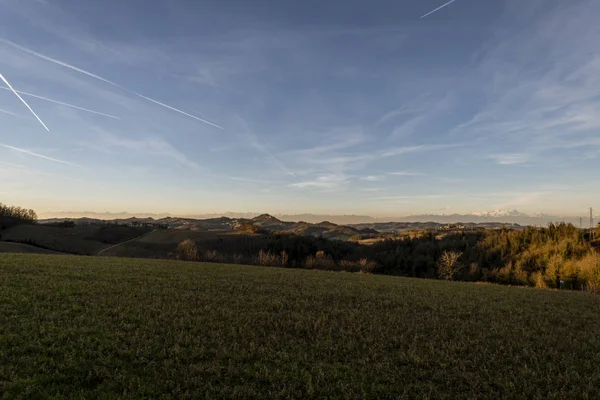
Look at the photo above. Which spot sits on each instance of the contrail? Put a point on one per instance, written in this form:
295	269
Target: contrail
261	147
8	112
174	109
61	103
24	102
72	67
35	53
34	154
439	8
12	165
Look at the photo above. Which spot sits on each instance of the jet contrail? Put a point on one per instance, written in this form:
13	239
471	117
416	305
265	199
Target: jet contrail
61	103
439	8
72	67
253	139
24	102
176	110
12	165
34	154
35	53
8	112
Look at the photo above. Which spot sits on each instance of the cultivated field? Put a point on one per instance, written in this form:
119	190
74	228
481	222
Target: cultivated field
94	327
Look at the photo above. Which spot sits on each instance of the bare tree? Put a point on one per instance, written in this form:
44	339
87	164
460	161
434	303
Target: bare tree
448	264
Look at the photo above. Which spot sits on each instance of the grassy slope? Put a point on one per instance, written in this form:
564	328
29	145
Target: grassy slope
93	327
9	247
158	244
78	240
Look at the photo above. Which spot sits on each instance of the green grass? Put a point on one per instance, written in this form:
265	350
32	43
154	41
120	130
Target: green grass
93	327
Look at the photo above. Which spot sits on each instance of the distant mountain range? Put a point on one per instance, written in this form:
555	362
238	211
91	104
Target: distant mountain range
501	216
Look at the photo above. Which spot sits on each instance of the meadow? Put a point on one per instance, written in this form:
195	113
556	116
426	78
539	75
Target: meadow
105	327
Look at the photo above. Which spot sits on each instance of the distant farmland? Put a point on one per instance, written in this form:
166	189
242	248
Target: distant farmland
101	327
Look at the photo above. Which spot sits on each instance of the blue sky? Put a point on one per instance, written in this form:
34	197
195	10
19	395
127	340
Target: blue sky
323	107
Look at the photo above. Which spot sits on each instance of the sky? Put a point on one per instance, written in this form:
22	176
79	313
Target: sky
386	107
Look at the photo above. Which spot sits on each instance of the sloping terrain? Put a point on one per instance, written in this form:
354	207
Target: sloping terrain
106	327
10	247
85	240
160	243
264	222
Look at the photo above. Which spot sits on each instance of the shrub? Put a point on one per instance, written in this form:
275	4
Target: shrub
187	250
320	261
212	256
237	258
537	278
349	266
267	259
589	271
284	258
366	266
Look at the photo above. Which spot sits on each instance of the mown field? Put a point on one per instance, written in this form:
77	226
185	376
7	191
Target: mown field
93	327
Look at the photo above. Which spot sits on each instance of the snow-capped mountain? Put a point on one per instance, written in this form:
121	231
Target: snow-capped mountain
501	213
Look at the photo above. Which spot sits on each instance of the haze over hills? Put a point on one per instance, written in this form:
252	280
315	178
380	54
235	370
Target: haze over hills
502	216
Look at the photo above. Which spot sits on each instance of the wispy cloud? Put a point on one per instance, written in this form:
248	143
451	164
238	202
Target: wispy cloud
340	139
539	101
324	182
23	101
150	146
82	71
12	164
406	173
396	151
372	178
510	159
418	197
257	144
249	180
391	115
439	8
19	150
62	103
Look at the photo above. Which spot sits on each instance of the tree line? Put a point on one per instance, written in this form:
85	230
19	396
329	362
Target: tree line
13	215
559	256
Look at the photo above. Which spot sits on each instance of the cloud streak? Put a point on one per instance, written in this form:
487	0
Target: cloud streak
82	71
23	101
406	173
437	9
19	150
414	149
253	138
154	146
62	103
8	113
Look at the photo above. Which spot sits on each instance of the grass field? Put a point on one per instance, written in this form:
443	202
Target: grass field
93	327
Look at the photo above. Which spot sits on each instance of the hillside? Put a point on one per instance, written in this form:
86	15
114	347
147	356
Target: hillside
264	222
102	327
79	239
